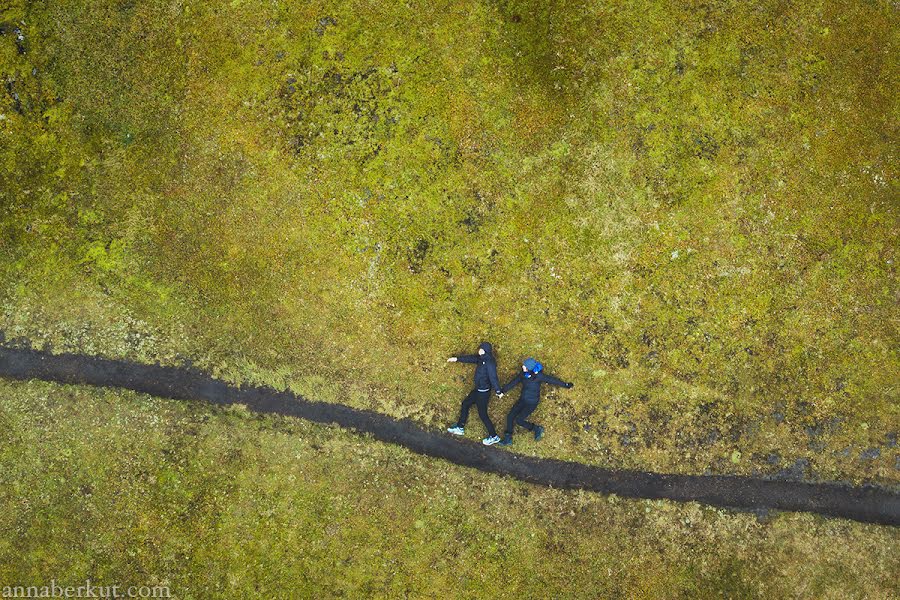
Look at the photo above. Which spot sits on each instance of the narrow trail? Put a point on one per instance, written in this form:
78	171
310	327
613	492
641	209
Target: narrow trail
869	504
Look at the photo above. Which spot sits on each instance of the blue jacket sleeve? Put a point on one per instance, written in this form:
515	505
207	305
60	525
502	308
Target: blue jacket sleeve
512	383
467	358
553	380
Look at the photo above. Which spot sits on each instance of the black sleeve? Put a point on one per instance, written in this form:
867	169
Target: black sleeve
467	358
492	375
553	380
512	383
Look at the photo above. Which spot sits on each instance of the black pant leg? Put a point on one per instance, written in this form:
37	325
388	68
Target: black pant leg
527	409
511	417
482	404
464	409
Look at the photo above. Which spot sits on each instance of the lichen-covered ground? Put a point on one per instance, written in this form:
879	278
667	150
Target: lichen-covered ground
123	488
687	208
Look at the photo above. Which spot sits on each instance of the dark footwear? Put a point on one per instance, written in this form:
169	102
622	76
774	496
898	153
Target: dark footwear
506	441
538	432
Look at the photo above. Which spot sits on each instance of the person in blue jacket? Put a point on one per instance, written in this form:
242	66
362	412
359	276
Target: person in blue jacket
531	378
485	379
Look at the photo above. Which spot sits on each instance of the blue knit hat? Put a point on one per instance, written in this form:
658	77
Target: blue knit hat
533	366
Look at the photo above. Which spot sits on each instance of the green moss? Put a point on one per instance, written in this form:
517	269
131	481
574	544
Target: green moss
686	209
124	488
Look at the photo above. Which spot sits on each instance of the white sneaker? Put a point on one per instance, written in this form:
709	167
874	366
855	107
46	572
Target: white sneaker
490	441
457	430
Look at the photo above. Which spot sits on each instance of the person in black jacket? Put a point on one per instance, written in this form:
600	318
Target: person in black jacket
531	378
485	379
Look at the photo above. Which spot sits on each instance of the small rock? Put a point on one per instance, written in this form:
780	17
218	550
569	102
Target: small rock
324	23
814	430
20	40
795	472
763	515
870	454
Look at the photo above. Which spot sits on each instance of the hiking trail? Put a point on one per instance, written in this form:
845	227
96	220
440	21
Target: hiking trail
869	504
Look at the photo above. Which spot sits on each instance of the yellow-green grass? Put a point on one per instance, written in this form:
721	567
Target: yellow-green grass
123	488
688	209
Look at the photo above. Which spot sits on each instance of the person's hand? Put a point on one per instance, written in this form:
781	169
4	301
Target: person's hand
570	385
451	359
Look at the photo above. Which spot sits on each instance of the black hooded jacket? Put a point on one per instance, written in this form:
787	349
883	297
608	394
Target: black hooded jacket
486	369
531	386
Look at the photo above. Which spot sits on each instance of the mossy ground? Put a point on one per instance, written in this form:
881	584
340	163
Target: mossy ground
123	488
688	209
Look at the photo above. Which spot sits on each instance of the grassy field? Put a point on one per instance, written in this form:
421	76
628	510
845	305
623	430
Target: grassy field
688	208
127	489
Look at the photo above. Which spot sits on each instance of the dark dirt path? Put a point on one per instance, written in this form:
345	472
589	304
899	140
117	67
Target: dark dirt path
869	504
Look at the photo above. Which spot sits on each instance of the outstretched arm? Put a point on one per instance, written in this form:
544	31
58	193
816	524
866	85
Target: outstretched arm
465	358
512	383
554	381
